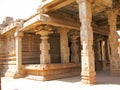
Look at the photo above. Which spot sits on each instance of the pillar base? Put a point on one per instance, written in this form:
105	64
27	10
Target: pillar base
13	74
104	66
115	72
88	79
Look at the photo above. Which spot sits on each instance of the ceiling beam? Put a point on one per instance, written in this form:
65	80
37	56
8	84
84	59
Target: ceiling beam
54	5
51	20
57	21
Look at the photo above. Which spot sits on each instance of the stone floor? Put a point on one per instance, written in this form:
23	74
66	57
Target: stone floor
104	82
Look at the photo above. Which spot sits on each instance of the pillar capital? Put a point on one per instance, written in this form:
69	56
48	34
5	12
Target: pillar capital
74	37
44	32
111	11
112	17
18	34
80	1
63	30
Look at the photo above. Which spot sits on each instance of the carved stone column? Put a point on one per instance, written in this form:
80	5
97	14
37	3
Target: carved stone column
44	47
18	40
103	55
119	49
74	49
99	50
113	42
1	45
87	54
64	45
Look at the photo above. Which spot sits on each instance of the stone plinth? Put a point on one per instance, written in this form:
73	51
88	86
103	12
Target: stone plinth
52	71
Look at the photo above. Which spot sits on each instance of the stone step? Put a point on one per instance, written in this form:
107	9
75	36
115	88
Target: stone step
34	77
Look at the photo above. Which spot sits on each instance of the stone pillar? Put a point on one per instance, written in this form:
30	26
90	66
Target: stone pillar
1	46
64	48
44	47
0	82
103	56
99	50
113	42
119	49
87	54
18	40
74	49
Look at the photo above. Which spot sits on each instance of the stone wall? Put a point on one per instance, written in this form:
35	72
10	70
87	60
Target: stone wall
54	41
31	49
2	42
8	56
10	43
2	51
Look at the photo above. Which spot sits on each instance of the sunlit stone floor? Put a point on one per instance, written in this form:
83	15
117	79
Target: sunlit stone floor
104	82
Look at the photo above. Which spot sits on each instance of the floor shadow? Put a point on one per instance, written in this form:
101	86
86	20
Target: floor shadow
103	77
71	79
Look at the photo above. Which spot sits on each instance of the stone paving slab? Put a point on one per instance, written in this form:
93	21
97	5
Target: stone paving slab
104	82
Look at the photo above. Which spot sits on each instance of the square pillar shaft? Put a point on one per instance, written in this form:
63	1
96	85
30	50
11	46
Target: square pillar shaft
86	33
18	41
74	49
113	42
64	45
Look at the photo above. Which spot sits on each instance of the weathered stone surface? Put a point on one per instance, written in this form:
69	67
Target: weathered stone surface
64	45
52	71
87	54
74	49
7	21
113	41
46	50
44	47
